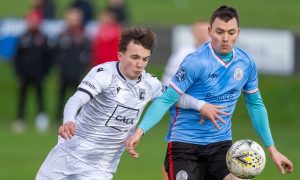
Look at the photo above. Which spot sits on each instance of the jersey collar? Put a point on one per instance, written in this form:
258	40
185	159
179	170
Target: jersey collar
219	59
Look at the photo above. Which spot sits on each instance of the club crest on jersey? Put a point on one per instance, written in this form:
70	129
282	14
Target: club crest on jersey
182	175
181	74
142	93
238	74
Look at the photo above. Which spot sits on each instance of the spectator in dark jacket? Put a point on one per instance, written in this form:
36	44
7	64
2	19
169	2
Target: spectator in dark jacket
119	7
31	65
72	56
87	9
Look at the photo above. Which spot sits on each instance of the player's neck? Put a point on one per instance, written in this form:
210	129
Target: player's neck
123	74
225	57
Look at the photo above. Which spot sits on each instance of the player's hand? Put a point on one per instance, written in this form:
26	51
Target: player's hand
283	163
67	130
133	141
212	113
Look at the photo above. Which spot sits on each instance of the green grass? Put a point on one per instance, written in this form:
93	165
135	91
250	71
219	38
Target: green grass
25	153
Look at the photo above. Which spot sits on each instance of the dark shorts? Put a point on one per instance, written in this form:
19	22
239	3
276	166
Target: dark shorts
197	162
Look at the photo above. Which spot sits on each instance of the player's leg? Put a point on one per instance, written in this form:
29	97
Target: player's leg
42	120
181	162
19	125
54	166
217	160
59	164
24	84
38	83
54	160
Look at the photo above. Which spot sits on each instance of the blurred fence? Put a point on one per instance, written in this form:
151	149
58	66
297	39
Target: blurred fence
12	28
275	51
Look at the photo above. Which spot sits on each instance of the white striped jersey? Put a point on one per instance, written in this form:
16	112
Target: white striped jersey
106	121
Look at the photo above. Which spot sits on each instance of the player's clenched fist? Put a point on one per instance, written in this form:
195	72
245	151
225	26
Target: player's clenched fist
133	141
67	130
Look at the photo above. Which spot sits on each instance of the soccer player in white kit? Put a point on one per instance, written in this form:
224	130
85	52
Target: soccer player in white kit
112	97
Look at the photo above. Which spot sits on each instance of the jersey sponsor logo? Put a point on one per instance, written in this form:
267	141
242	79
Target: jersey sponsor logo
123	118
223	97
181	74
142	93
238	74
88	84
182	175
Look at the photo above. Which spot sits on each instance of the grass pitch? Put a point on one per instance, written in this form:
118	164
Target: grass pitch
22	155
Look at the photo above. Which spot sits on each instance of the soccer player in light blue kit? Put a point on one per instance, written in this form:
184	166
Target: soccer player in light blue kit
216	74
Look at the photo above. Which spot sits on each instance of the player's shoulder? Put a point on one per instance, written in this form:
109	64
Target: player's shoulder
242	54
103	70
150	78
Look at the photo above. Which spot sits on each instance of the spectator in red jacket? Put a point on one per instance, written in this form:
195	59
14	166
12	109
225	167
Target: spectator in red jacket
105	44
72	56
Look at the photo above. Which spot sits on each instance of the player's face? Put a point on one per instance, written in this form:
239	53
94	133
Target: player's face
224	35
134	60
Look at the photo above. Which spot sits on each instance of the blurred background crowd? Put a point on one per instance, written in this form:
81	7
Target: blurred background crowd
36	48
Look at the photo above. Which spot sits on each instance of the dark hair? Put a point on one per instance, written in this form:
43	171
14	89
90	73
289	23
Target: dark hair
225	13
138	35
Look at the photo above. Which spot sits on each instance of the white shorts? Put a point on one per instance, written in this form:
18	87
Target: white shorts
59	164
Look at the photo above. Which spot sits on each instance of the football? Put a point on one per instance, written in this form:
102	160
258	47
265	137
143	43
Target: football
245	159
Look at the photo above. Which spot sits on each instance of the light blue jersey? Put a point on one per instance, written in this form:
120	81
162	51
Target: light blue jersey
206	76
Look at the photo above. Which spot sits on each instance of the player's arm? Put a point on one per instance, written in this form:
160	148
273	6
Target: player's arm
73	105
152	116
94	82
259	117
210	111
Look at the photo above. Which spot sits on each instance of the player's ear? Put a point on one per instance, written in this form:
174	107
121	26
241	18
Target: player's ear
120	56
209	29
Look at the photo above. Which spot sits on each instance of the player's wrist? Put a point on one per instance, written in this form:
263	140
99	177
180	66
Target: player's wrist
65	121
200	104
139	131
272	150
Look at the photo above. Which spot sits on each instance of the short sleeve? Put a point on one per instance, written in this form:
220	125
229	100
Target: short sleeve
95	81
187	74
157	88
251	85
